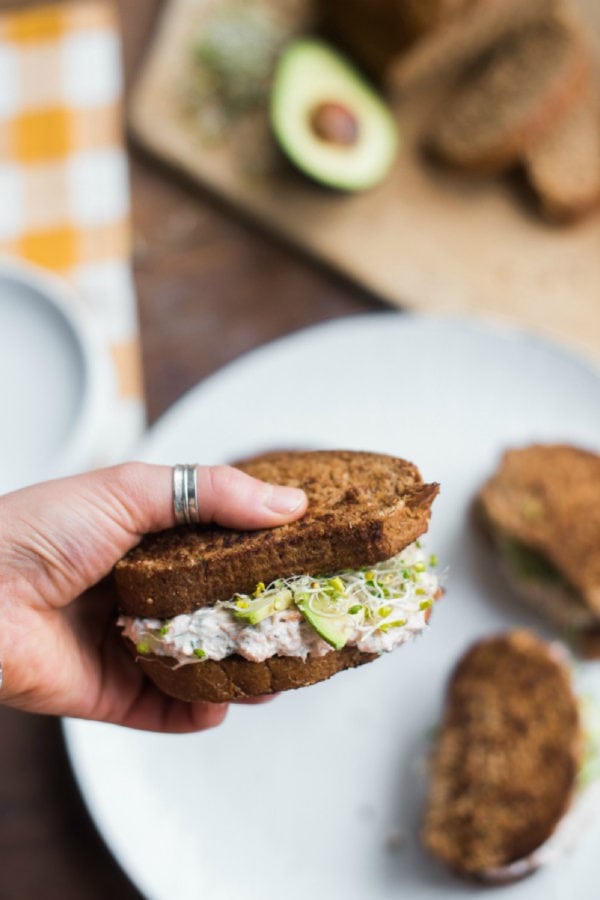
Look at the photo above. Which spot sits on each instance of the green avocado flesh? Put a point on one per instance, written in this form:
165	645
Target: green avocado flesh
333	629
328	120
263	607
529	563
532	566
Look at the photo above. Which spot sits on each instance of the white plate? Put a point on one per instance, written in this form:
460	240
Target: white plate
318	794
54	378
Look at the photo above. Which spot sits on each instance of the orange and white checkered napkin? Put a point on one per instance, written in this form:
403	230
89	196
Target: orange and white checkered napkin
64	195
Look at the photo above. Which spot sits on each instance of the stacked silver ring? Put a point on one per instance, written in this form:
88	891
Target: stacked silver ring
185	495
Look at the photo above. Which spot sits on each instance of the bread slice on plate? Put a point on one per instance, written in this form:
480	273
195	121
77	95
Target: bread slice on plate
563	167
512	97
216	614
508	772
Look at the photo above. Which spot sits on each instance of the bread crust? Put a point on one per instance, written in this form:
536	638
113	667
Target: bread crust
505	766
236	678
511	78
563	167
363	508
548	498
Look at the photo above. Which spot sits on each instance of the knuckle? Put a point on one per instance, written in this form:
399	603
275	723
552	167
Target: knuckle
225	480
127	473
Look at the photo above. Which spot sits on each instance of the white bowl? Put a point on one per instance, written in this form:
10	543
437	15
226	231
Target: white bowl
55	378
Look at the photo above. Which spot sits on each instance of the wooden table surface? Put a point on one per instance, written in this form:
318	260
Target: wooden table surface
209	288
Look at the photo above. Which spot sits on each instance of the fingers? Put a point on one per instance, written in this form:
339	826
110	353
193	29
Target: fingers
72	531
154	711
226	496
130	699
236	500
163	714
255	701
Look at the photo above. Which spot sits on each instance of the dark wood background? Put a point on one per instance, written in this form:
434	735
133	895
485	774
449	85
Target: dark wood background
209	287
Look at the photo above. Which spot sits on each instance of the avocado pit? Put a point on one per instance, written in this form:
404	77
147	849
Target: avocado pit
334	123
328	120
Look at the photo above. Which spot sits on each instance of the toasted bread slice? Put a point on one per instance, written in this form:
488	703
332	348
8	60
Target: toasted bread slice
564	166
236	678
504	771
451	49
547	499
511	98
363	508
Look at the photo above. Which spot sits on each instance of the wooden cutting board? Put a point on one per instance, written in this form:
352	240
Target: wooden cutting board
425	239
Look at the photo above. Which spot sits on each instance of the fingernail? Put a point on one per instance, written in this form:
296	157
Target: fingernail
284	500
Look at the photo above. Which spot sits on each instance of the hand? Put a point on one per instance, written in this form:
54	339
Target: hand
60	649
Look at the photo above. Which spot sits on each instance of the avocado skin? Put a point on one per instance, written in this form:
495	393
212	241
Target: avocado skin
311	74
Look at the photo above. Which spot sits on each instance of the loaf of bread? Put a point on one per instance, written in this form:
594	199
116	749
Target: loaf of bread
512	97
449	50
563	166
375	33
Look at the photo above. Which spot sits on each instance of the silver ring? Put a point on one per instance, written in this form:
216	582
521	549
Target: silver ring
185	495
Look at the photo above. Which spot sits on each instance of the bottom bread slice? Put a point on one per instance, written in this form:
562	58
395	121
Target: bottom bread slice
235	678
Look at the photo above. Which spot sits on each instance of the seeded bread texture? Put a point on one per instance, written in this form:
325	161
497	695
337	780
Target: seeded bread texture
451	49
236	678
505	765
363	508
563	167
516	92
547	497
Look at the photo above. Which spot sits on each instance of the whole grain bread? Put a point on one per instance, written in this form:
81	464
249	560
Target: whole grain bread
563	167
448	51
375	33
363	508
236	678
514	94
547	497
505	766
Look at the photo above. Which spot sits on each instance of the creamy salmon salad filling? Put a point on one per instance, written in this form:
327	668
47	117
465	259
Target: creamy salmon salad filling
375	609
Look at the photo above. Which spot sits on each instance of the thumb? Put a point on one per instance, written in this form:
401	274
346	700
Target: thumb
73	530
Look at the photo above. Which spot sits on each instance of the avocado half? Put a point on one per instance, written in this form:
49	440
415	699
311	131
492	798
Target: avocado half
328	120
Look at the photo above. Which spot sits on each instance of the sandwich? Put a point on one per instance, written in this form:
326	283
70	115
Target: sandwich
513	774
215	614
541	510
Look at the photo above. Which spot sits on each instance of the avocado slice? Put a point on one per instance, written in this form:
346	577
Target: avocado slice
264	606
328	120
334	629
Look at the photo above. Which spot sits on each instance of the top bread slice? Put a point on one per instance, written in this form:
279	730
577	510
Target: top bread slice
505	766
512	96
563	167
547	497
362	508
